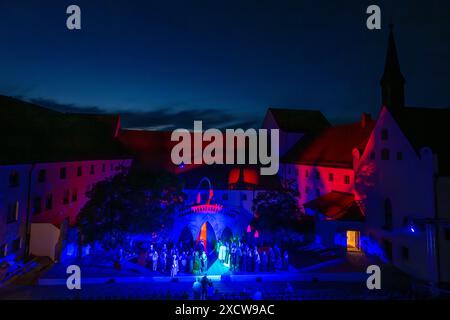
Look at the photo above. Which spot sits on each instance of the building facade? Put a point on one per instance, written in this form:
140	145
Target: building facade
49	162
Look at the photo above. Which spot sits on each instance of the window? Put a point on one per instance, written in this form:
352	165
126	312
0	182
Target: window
66	196
347	179
37	205
388	214
372	155
103	167
14	179
111	167
384	134
405	253
3	250
16	245
49	202
306	173
92	169
317	175
289	170
74	195
63	173
13	212
225	196
330	177
399	155
79	171
243	196
42	175
385	154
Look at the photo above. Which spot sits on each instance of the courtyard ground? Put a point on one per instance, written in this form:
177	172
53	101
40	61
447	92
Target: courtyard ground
318	273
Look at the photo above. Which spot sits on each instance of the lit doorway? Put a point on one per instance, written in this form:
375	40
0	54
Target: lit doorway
207	238
353	240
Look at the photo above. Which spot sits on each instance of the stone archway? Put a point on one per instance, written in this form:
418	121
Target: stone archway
186	237
227	234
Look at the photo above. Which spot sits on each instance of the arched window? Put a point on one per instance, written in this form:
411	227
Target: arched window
385	154
387	214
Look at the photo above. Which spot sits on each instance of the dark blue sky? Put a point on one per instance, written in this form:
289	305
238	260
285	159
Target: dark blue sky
168	62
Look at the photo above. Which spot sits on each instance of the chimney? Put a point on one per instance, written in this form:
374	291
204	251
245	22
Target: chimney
365	119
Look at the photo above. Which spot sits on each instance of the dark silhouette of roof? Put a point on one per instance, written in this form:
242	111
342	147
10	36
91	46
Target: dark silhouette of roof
392	70
427	127
337	205
331	147
298	120
31	133
150	149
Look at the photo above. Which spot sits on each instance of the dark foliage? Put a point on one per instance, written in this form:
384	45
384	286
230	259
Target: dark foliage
140	201
276	209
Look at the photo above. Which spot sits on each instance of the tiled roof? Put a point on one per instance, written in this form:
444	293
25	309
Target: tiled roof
332	147
31	133
337	205
299	120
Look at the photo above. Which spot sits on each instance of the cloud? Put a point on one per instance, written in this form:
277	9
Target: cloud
160	118
72	108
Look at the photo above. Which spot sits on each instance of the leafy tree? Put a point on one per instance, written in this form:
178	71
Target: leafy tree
276	209
140	201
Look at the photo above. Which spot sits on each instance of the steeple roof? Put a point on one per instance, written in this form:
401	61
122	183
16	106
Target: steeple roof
392	73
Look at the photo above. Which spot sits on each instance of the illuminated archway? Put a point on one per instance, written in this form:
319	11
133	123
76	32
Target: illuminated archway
207	236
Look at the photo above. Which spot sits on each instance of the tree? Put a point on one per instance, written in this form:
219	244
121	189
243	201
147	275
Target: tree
140	201
276	209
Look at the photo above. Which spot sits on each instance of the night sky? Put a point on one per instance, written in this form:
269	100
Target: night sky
163	64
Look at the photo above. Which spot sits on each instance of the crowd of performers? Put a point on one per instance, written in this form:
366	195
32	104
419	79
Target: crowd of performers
236	255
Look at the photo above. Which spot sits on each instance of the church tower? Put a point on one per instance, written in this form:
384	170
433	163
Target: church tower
392	81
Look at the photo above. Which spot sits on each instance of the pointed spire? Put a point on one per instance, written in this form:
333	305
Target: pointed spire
392	81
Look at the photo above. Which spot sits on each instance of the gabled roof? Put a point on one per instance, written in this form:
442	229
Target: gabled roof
298	120
332	147
31	133
427	127
150	149
337	205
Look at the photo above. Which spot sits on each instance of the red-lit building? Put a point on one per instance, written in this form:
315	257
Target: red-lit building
382	187
48	161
